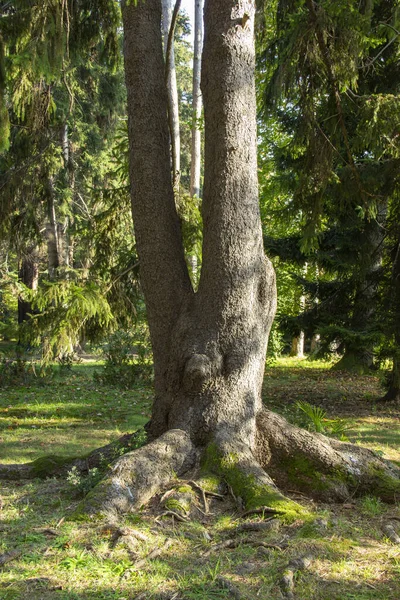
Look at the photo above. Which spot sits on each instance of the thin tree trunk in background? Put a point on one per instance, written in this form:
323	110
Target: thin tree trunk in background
315	343
197	101
65	241
297	349
195	167
172	89
29	276
52	232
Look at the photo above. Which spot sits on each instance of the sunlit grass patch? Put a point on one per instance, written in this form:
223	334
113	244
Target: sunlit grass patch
70	415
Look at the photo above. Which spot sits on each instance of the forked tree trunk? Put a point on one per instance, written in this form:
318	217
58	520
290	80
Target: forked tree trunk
209	346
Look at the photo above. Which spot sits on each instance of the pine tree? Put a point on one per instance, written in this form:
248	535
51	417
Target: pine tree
332	161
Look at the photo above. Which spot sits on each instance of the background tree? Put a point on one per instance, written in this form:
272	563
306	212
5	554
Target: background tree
337	174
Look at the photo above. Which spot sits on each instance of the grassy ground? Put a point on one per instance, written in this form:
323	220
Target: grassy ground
57	557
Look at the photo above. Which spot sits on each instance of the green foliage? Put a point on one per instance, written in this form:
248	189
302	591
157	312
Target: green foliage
316	415
83	484
63	309
275	344
127	358
372	506
319	422
20	369
328	97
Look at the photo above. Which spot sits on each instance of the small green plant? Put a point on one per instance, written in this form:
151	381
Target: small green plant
372	506
320	423
316	414
75	562
82	485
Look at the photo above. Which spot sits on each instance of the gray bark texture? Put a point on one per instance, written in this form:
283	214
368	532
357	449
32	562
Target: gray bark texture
195	170
168	26
210	346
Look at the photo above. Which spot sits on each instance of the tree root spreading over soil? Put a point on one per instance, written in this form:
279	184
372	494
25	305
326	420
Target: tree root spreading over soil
285	456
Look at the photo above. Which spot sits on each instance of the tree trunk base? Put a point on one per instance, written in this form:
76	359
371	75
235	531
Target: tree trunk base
392	395
354	363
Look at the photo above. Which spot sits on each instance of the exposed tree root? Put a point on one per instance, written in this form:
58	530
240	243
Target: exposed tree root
58	466
392	395
236	464
294	458
135	477
323	467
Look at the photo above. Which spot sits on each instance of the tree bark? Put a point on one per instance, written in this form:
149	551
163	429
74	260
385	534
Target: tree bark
52	231
195	169
393	393
172	90
163	272
29	276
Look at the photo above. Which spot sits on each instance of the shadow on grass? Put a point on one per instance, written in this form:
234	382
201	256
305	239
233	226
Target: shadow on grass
77	561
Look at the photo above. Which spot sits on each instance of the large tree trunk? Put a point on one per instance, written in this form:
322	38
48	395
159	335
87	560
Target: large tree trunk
393	393
209	346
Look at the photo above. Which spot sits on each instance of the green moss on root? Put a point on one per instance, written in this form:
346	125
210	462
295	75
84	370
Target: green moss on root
209	482
254	494
184	489
95	502
303	474
51	465
383	485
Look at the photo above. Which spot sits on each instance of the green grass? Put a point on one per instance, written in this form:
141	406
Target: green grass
63	559
68	415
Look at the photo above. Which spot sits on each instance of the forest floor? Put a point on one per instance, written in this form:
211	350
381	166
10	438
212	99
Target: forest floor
341	553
